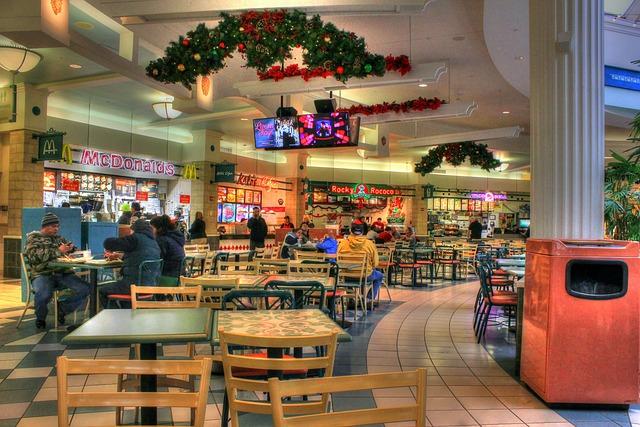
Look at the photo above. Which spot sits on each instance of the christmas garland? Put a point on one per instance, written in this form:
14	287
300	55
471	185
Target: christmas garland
419	104
456	154
266	39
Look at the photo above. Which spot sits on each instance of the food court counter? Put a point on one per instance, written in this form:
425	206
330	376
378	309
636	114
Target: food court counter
236	241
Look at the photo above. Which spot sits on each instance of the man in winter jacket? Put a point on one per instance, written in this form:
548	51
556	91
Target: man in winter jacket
357	242
43	247
138	247
171	242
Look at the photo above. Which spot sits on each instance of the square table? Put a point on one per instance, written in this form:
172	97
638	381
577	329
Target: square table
277	323
146	327
244	280
93	267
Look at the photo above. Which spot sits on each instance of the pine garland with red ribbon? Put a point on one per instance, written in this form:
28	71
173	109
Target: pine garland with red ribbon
418	104
267	38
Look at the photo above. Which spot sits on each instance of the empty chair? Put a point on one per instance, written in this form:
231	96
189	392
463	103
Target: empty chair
257	299
248	372
282	390
196	399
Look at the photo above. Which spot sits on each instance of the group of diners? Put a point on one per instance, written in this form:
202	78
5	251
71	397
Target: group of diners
149	240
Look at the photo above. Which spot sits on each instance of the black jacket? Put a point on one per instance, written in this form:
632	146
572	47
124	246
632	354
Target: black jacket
172	252
137	247
198	229
259	229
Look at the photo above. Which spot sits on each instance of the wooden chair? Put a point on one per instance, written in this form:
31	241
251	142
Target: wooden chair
386	261
314	256
353	266
236	267
279	390
181	297
191	247
213	289
249	372
468	258
196	400
269	266
209	263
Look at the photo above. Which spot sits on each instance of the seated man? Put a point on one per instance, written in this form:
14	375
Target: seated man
43	247
293	239
137	247
356	242
386	236
329	244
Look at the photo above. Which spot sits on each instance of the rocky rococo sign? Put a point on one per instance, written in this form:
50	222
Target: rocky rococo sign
364	191
488	196
118	161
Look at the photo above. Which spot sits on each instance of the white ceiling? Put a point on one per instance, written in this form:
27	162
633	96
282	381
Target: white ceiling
485	44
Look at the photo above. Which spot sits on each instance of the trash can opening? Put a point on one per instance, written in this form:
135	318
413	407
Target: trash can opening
596	279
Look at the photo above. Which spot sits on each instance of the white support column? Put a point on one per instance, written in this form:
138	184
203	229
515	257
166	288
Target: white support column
567	118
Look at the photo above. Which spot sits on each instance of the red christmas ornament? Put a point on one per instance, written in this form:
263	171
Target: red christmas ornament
241	47
186	42
340	69
221	45
298	45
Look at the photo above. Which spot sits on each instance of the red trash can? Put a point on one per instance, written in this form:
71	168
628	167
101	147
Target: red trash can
581	327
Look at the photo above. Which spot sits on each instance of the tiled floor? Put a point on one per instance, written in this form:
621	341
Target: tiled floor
428	327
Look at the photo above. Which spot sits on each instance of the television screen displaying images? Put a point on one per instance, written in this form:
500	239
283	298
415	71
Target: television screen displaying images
228	212
276	133
524	223
325	130
306	131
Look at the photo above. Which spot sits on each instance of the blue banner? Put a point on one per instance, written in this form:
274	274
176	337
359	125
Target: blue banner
619	77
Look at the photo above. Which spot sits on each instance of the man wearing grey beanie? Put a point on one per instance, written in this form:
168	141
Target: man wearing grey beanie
43	247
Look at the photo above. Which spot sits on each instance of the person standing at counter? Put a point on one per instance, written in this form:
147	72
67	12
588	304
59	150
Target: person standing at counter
258	230
198	230
171	242
308	221
137	247
43	247
475	229
287	223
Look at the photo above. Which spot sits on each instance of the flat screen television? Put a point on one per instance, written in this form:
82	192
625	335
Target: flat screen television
524	223
306	131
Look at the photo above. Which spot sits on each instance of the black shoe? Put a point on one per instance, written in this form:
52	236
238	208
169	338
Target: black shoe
60	315
41	324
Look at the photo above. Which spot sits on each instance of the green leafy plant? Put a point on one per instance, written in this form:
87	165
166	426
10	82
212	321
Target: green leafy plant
456	154
622	191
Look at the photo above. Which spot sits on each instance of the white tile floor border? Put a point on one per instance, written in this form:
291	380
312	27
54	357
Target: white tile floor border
465	385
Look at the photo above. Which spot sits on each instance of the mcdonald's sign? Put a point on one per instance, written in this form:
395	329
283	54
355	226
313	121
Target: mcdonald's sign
50	145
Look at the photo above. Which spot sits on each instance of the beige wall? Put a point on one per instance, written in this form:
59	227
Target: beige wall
115	140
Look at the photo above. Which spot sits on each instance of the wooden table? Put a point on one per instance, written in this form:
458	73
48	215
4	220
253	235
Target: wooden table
277	323
244	280
93	267
146	327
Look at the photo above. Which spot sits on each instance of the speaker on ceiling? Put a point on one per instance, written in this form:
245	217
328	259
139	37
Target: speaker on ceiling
325	106
286	112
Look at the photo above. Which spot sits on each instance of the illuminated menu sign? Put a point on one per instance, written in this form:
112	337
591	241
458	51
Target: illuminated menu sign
118	161
364	191
488	196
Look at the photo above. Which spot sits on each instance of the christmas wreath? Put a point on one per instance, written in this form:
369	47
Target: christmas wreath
266	39
456	154
419	104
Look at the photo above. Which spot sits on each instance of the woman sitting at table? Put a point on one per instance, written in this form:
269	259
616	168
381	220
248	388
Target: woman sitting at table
137	247
171	242
329	244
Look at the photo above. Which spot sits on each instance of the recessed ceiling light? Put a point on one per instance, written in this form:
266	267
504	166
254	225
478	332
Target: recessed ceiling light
520	58
84	25
75	66
244	119
423	85
506	112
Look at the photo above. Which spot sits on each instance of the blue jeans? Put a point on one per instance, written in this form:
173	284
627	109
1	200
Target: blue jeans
376	277
44	286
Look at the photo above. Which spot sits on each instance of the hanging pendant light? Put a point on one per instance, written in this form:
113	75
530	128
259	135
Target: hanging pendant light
165	109
18	59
